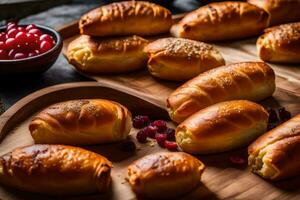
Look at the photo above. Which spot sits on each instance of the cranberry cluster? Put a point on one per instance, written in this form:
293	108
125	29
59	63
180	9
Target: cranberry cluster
21	42
158	130
277	116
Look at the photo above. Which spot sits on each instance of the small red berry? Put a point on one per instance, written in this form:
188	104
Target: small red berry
170	134
20	56
141	136
11	53
140	121
160	139
151	131
2	36
12	33
32	53
3	45
45	46
30	26
11	43
170	145
11	25
160	124
35	31
3	54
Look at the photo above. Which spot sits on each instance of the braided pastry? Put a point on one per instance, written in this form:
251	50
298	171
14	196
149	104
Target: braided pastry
126	18
55	170
81	122
222	127
222	21
248	80
275	155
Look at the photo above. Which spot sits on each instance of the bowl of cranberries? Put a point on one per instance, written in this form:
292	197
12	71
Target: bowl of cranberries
27	49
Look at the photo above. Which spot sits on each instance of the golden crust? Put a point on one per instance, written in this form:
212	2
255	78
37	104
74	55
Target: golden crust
280	44
165	174
222	21
55	170
81	122
181	59
126	18
281	11
109	55
275	155
253	81
222	127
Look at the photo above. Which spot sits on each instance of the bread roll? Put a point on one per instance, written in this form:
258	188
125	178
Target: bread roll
114	55
222	127
181	59
126	18
281	11
165	175
253	81
275	155
55	170
280	44
81	122
222	21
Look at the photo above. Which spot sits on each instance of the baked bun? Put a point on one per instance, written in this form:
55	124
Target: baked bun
281	11
280	44
222	127
55	170
81	122
275	155
253	81
181	59
109	55
126	18
165	175
222	21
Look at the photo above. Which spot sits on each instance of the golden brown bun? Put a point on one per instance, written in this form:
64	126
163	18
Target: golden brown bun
280	44
275	155
126	18
222	127
222	21
55	170
281	11
253	81
81	122
181	59
165	174
109	55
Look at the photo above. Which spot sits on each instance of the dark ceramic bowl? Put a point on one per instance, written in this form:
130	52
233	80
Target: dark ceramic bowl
36	64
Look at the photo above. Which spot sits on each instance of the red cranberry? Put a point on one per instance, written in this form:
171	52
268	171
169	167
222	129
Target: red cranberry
170	145
170	134
160	124
35	31
3	45
2	36
11	43
237	160
45	46
21	29
30	26
284	114
160	139
12	33
20	56
141	136
46	37
140	121
32	53
3	54
151	131
10	25
11	53
272	115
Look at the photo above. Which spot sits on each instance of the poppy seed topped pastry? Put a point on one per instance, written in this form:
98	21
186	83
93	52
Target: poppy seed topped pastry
181	59
81	122
275	155
280	44
222	21
126	18
109	55
55	170
165	175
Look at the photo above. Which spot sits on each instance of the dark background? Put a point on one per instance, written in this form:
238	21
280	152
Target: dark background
55	13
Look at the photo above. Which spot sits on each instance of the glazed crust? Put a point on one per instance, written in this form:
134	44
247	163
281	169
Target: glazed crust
222	127
126	18
281	11
280	44
275	155
165	174
55	170
253	81
81	122
222	21
181	59
110	55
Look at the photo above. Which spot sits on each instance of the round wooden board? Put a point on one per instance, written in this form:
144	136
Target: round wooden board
221	179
